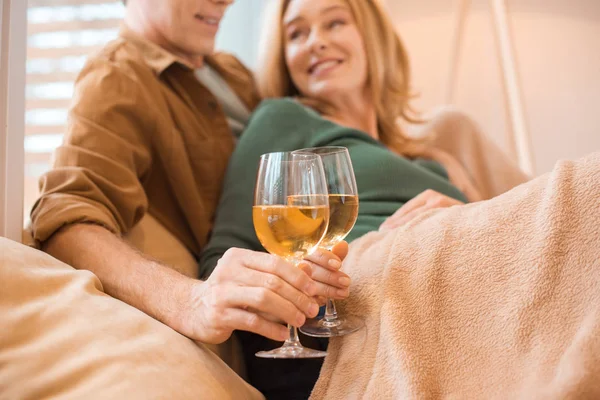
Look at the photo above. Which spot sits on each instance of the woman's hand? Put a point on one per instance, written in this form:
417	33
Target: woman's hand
428	200
325	271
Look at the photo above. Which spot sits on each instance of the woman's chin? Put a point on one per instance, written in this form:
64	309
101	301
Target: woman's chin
324	92
330	89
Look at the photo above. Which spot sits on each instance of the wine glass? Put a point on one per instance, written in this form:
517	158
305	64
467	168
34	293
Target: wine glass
343	211
290	215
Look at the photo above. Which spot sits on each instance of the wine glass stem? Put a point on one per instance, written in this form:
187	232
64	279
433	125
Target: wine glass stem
330	311
293	340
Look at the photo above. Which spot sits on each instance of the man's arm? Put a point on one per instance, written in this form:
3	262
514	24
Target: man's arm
125	273
205	311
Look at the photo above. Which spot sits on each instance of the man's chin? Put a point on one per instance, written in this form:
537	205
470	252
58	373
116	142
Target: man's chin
199	48
204	47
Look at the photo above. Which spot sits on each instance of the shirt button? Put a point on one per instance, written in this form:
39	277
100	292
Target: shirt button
212	104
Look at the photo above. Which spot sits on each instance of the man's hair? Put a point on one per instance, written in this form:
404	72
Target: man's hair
124	2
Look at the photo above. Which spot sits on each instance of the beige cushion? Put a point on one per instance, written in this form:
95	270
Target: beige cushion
62	337
490	169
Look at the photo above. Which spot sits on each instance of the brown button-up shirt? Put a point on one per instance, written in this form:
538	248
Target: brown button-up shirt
144	135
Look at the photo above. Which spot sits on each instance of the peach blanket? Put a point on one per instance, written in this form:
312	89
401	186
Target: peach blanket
496	299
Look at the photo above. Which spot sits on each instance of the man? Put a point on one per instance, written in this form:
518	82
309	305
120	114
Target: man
146	135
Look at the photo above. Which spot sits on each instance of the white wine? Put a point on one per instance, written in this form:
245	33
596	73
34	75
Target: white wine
343	211
291	231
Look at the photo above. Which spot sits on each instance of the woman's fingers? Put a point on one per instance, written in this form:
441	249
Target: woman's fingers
428	200
326	259
341	250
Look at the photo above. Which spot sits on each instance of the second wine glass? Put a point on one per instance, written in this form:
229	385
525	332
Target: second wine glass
343	212
290	215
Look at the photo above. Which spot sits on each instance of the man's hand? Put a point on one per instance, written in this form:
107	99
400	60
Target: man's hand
427	200
247	290
244	289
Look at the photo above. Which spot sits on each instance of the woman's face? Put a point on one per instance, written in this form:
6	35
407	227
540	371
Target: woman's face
324	51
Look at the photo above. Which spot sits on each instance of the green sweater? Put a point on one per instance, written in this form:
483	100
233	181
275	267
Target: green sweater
385	180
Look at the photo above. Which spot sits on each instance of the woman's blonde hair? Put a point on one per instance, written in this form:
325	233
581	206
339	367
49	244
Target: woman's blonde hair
387	61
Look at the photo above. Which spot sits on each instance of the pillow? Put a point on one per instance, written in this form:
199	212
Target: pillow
63	337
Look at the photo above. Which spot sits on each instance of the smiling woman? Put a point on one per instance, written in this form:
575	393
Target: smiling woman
357	35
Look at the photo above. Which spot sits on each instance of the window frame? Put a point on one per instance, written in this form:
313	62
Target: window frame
13	47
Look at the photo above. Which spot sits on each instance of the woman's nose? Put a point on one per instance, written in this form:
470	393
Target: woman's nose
318	41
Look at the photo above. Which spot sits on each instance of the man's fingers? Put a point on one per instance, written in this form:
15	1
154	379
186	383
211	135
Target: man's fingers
304	267
265	301
330	292
264	262
235	318
321	300
252	278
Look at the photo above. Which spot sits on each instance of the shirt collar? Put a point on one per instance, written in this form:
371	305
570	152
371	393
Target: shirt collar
156	57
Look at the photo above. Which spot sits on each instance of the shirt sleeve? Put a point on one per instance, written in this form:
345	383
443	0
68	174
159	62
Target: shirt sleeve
98	171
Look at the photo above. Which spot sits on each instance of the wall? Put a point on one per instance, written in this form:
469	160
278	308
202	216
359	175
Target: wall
558	51
12	113
240	29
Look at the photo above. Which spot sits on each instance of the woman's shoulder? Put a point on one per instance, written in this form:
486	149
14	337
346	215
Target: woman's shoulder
285	106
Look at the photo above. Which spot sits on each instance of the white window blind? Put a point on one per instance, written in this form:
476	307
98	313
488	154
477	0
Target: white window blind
61	34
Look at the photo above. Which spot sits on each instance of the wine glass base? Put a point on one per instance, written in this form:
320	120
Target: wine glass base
292	351
339	327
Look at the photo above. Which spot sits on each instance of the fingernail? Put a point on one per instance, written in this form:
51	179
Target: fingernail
344	281
343	292
300	319
333	263
313	309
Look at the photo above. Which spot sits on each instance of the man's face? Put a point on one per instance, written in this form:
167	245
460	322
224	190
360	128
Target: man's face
185	27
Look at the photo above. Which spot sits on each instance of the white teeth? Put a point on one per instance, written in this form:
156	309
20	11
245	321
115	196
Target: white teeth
325	65
210	21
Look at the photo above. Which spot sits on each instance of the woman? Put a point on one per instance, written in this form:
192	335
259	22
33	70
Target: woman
340	75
